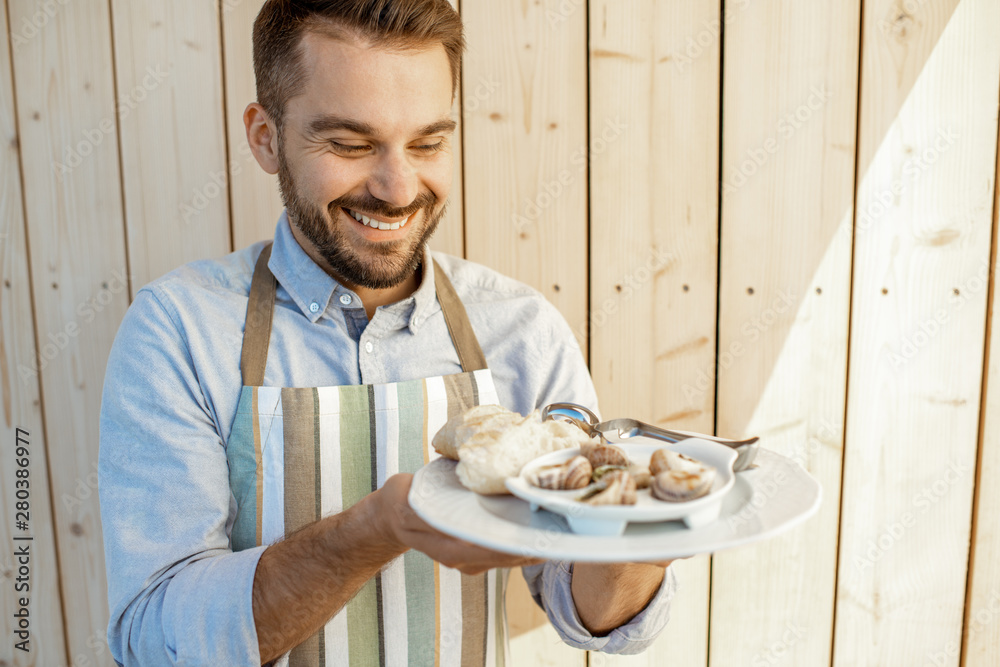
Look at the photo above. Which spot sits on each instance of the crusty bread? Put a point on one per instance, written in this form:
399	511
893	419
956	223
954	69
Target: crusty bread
498	448
459	428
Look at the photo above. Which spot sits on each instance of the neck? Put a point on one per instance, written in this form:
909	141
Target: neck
370	298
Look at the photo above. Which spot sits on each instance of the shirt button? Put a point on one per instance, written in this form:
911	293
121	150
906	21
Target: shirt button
369	347
346	299
313	307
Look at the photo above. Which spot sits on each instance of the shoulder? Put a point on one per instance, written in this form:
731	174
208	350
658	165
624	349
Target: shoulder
226	276
481	287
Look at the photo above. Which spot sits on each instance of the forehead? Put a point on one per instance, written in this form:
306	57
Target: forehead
393	90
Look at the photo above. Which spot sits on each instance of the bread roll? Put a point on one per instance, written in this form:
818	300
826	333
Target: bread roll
448	440
498	448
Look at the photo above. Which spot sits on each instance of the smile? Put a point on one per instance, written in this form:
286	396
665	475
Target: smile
377	224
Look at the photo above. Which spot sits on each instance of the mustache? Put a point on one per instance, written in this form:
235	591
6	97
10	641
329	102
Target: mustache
381	208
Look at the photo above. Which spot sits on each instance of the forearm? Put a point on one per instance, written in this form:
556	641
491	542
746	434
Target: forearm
609	595
303	580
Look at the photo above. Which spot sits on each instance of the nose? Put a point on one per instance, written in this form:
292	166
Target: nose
394	180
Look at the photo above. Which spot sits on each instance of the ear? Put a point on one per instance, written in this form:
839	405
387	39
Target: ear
262	137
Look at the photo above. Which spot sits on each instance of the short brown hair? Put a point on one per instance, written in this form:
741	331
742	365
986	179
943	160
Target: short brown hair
401	24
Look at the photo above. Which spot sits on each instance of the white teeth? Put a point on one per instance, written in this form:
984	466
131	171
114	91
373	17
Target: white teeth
375	224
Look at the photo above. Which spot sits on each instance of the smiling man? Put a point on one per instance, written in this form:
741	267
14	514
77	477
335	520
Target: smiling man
263	413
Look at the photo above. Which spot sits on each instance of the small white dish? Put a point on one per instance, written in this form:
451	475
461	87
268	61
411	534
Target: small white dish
611	520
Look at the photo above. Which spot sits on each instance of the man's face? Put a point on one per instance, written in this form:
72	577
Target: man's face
371	135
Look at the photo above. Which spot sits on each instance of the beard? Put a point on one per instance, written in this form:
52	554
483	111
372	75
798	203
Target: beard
363	263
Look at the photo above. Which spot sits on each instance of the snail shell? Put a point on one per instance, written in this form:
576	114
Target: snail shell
577	473
619	489
573	474
665	459
681	485
546	477
604	455
641	475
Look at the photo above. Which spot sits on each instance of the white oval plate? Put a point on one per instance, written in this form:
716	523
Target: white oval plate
611	519
764	501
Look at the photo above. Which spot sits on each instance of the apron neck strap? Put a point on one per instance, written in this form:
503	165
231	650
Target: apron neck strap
260	315
470	355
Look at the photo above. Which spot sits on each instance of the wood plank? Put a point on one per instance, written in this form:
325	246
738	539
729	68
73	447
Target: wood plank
256	200
654	241
73	204
21	409
789	104
524	90
981	634
919	307
173	153
525	147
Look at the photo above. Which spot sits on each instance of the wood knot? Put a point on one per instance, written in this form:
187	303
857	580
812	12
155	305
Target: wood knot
76	528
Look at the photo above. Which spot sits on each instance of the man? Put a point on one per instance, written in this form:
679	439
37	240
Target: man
254	479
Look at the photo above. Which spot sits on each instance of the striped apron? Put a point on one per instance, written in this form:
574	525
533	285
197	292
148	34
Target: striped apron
299	454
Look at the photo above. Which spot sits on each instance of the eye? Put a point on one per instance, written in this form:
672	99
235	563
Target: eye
429	149
347	148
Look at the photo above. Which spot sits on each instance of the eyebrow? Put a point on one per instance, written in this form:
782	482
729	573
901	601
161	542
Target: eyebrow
328	123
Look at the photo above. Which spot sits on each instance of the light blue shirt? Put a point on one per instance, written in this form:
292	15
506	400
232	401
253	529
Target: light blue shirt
178	594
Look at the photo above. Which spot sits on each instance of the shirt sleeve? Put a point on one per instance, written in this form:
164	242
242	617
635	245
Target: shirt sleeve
549	585
568	380
178	595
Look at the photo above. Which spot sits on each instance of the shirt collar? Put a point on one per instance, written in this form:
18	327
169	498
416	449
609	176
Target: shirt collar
307	283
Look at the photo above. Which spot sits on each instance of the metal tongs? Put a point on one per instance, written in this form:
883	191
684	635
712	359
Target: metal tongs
630	428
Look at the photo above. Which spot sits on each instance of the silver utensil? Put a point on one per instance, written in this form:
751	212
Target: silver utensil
587	421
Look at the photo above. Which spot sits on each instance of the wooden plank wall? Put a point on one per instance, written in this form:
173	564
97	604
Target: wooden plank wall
759	216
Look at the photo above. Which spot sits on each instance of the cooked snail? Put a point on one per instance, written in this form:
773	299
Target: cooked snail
604	455
615	488
573	474
665	459
681	485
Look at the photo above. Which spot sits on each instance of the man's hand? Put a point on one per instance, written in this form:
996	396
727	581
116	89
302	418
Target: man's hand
609	595
403	528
